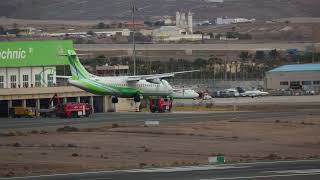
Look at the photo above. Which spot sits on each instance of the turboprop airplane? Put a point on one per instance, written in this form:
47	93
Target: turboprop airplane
119	86
184	94
252	93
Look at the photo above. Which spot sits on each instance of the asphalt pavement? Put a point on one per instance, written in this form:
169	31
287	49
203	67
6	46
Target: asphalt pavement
100	119
293	170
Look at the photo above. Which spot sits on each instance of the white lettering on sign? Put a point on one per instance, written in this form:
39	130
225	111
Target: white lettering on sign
13	54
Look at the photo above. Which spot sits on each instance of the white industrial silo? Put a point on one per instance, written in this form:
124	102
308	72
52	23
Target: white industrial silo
178	19
183	21
190	21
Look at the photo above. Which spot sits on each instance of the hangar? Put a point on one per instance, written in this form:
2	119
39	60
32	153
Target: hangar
296	76
31	63
28	71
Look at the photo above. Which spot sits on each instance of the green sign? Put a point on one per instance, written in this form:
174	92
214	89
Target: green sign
34	53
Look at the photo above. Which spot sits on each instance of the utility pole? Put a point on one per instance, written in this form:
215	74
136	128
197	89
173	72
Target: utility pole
226	60
313	50
133	38
313	47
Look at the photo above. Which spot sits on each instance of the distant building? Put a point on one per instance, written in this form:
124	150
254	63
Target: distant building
137	24
28	64
297	76
120	32
168	21
146	32
185	21
115	70
112	32
183	30
222	21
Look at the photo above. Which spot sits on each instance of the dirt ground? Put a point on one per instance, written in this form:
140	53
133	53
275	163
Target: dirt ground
120	146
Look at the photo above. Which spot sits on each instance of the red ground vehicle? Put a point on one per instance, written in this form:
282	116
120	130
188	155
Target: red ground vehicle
73	110
160	105
67	110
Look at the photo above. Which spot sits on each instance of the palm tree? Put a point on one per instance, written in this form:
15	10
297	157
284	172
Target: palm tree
244	56
236	64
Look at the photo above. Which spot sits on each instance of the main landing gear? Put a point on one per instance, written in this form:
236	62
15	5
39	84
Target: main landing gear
115	99
137	98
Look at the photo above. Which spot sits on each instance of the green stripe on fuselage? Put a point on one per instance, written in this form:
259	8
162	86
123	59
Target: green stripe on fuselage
104	89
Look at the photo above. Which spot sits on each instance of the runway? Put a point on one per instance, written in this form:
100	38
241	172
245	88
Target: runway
293	170
99	119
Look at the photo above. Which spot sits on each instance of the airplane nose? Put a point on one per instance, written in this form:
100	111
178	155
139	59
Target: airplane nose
196	95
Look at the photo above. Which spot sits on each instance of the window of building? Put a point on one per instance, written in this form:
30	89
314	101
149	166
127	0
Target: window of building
284	83
13	81
50	80
1	81
25	81
38	80
306	82
294	83
316	82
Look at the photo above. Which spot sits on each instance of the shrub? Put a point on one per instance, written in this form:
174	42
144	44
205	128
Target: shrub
67	129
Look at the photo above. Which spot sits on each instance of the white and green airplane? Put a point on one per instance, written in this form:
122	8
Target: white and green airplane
119	86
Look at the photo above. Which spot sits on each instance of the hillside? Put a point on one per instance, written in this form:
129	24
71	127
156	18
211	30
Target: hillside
119	9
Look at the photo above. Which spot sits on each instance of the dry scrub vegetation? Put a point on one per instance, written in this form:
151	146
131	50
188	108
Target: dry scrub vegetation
118	146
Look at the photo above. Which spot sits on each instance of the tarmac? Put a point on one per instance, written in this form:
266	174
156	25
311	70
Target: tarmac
100	119
284	170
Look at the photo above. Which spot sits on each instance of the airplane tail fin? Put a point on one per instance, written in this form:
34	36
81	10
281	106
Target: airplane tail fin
77	69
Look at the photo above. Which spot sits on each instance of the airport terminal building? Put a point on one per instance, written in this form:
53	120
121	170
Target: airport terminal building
296	76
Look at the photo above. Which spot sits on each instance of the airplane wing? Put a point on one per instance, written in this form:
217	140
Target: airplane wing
157	76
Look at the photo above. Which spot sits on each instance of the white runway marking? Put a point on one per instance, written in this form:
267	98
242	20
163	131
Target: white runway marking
304	171
267	176
188	168
169	169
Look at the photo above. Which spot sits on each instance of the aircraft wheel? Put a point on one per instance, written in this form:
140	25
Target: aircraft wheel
137	98
115	100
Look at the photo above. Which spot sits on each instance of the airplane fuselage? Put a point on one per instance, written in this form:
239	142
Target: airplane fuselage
119	86
254	93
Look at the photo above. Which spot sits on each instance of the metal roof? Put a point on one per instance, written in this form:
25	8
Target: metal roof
296	68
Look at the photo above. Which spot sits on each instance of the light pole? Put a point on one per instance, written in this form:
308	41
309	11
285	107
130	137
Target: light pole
133	38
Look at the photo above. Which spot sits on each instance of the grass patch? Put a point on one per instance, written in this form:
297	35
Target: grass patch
68	129
13	133
115	125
